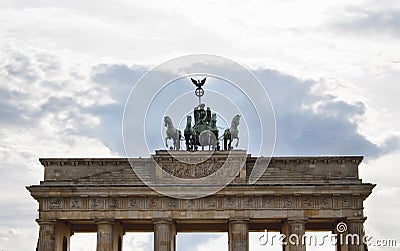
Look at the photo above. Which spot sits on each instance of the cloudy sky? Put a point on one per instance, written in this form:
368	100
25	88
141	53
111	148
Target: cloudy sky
331	68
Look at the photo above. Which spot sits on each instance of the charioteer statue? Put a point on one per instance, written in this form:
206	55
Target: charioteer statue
204	132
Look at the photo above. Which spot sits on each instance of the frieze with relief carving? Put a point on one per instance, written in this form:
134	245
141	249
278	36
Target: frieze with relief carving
211	202
191	171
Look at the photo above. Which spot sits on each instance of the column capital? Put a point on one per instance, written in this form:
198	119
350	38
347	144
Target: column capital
356	219
104	221
297	219
46	221
239	221
163	221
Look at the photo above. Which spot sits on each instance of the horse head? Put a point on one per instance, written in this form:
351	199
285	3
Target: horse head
188	121
167	121
235	120
214	120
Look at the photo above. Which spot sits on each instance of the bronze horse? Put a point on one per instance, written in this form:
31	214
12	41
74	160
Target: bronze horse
232	133
172	133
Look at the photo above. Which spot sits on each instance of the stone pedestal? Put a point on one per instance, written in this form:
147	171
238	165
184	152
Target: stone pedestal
294	229
355	234
238	235
164	235
104	235
46	235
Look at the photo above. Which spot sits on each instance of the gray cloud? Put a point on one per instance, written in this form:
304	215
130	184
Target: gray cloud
327	131
379	18
20	67
118	81
118	78
10	114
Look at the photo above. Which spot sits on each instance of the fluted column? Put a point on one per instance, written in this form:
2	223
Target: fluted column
118	233
238	235
104	235
294	229
355	234
164	235
46	235
340	231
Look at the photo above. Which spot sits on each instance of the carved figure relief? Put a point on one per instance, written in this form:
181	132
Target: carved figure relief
346	202
268	202
133	203
55	203
113	203
288	202
190	204
94	203
210	202
326	202
188	171
75	203
307	203
172	203
248	202
153	202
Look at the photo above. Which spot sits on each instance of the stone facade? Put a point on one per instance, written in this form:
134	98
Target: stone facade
294	195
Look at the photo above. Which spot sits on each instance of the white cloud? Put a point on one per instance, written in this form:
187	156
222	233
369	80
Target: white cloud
41	114
83	242
219	242
382	206
138	242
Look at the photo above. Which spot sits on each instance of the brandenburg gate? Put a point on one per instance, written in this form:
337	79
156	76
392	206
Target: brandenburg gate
112	196
104	195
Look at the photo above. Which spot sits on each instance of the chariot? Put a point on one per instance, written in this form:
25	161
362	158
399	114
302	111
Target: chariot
204	131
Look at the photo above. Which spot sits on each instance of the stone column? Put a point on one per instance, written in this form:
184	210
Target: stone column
294	229
46	235
104	235
355	234
340	231
62	236
164	235
118	233
238	235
